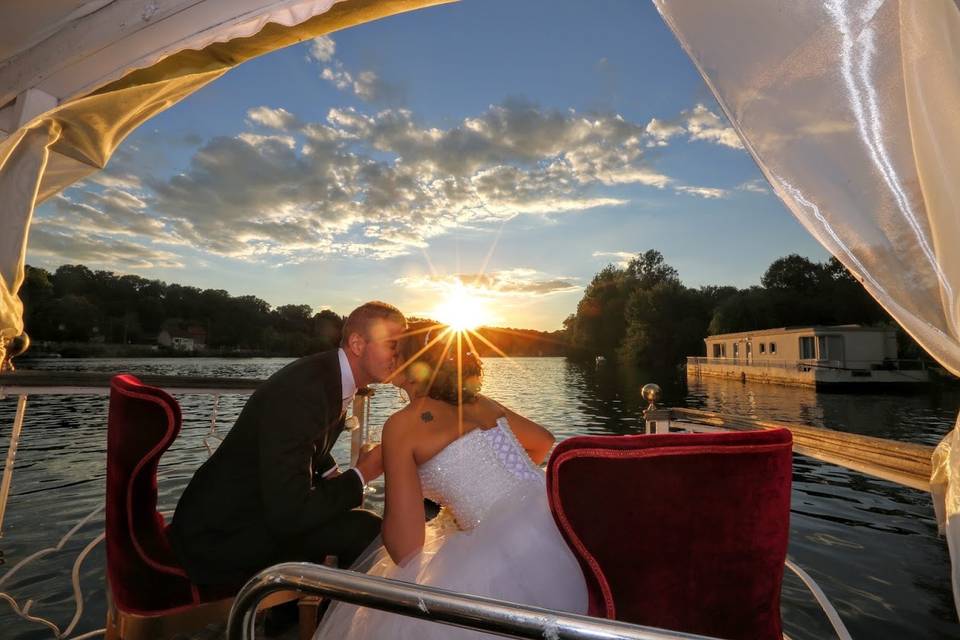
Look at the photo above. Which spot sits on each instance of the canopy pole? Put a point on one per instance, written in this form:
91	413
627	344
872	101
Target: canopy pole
11	456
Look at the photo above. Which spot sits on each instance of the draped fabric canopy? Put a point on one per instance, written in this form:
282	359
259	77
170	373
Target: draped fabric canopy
851	108
77	77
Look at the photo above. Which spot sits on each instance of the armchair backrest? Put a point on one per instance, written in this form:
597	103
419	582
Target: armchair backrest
679	531
143	574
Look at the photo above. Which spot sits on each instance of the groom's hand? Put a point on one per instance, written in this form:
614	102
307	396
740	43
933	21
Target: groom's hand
370	463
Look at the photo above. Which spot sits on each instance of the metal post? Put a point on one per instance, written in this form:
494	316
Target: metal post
655	420
11	456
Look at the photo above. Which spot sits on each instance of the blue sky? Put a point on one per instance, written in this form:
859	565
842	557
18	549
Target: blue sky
534	141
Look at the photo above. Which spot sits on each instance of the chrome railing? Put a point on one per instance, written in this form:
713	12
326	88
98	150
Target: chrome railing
429	603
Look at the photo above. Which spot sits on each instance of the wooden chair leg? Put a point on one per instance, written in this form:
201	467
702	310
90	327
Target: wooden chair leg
309	614
113	624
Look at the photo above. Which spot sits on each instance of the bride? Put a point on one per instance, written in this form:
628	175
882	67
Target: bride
494	535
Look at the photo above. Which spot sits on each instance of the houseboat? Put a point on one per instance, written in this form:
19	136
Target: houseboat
811	356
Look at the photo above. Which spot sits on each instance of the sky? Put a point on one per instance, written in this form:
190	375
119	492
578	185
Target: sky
513	147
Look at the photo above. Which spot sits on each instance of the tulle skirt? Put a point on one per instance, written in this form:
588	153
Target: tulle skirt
515	554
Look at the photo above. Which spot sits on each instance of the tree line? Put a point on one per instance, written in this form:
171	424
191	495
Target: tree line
75	304
642	314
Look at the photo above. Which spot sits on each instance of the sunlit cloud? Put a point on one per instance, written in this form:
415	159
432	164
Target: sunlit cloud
59	244
754	186
619	258
709	193
110	211
278	118
323	48
381	184
698	124
660	132
365	84
516	283
703	124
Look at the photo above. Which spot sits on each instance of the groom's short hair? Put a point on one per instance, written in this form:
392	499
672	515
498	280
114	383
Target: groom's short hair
360	319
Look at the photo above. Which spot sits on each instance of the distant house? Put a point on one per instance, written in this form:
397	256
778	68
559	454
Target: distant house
809	356
192	338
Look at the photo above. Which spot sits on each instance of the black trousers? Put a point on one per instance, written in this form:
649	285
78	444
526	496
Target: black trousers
217	561
345	537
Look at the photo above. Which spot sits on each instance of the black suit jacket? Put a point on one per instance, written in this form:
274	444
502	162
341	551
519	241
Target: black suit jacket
260	492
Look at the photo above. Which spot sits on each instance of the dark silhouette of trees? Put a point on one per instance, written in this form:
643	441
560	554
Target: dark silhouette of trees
643	315
76	304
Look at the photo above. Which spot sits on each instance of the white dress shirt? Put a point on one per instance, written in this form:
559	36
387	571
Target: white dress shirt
349	389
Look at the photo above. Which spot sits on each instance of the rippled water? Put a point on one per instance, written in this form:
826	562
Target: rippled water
870	544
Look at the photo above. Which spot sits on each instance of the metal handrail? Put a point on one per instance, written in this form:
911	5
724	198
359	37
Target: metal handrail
429	603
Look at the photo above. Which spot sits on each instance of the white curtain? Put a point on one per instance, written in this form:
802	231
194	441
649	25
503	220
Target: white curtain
23	157
851	108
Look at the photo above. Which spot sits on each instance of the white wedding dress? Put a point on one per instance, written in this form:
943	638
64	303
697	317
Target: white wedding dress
494	537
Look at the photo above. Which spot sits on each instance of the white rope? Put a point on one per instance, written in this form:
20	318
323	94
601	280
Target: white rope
24	612
48	550
75	576
213	426
822	600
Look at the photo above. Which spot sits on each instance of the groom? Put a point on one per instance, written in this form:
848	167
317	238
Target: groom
272	492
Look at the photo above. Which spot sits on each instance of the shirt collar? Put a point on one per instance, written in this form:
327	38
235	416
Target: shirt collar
347	384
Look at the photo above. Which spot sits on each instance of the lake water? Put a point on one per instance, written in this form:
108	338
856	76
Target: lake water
871	545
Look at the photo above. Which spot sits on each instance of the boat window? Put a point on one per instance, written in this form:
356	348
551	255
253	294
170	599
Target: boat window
718	351
736	349
763	347
807	349
773	348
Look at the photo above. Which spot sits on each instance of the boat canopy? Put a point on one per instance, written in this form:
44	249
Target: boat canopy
77	77
850	108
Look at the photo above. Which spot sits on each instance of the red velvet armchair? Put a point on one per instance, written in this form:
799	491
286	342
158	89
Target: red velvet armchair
679	531
150	594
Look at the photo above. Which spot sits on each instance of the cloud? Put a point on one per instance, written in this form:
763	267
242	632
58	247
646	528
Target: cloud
65	244
698	123
513	283
703	124
366	85
620	258
660	132
110	211
376	184
754	186
323	48
279	118
709	193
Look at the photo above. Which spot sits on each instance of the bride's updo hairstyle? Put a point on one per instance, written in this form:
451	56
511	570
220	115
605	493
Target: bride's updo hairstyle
441	367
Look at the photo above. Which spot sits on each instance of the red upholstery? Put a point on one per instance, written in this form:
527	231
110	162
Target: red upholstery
679	531
144	578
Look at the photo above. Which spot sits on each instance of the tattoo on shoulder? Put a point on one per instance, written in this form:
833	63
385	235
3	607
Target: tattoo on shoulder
426	416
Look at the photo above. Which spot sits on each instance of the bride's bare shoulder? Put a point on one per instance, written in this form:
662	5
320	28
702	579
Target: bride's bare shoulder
400	425
488	404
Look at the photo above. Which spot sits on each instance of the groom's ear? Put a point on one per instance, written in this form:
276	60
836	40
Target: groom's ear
355	344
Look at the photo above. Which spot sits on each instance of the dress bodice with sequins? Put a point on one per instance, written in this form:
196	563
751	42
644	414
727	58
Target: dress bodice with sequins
477	470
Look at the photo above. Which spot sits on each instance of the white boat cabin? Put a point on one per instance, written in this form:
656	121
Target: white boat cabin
808	356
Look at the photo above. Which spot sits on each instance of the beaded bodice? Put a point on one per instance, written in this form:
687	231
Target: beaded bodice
478	469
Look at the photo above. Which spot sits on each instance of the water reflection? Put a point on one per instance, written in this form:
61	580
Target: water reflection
872	545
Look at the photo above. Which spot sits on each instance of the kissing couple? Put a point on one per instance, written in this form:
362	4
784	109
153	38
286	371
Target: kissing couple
273	493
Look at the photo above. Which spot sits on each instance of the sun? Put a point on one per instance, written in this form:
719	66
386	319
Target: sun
462	309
